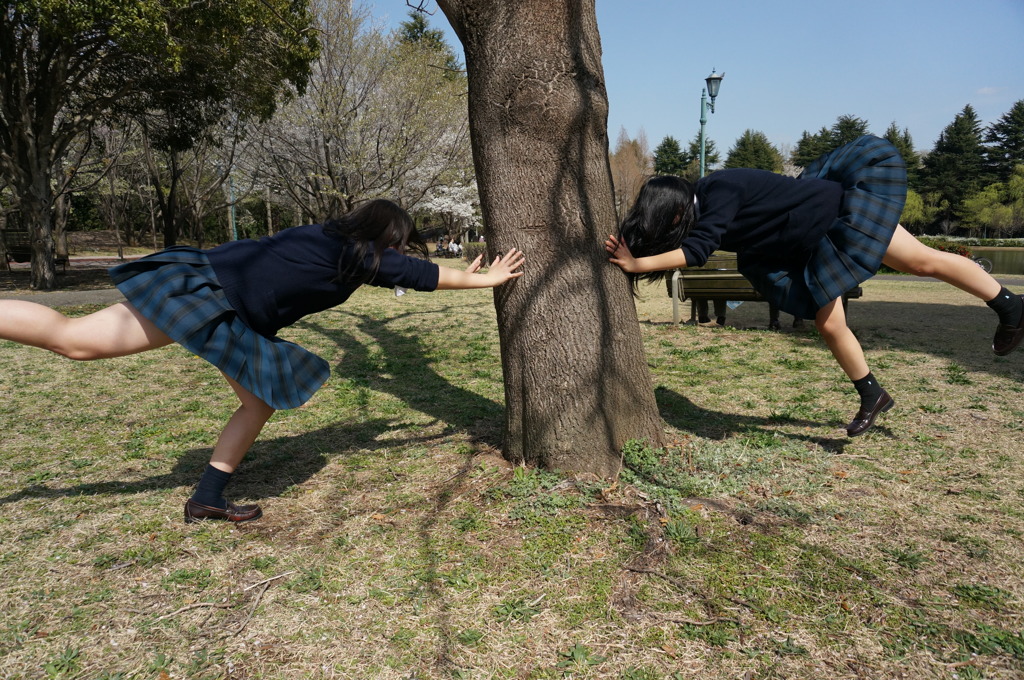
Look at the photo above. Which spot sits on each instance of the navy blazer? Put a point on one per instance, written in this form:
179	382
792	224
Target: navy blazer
277	280
760	214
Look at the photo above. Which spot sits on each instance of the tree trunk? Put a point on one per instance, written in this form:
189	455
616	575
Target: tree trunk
37	210
61	210
576	380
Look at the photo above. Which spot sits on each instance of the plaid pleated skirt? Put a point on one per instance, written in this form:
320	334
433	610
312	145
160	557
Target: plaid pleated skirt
178	291
874	180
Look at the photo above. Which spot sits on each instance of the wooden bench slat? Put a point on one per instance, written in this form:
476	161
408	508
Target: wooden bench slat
718	279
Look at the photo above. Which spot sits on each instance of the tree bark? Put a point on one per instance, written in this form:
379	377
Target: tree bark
38	211
576	380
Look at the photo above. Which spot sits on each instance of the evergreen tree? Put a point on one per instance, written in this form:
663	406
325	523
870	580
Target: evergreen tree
753	150
810	147
955	168
669	159
711	158
846	129
904	143
416	31
843	131
1007	139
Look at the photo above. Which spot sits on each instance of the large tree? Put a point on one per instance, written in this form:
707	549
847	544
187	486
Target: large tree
66	64
711	157
904	143
846	129
383	116
631	165
576	380
753	150
955	169
811	146
1006	137
669	158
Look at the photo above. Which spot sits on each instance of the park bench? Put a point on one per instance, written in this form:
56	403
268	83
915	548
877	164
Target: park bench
18	245
718	279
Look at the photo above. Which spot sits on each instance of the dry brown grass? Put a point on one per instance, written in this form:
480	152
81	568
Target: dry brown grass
397	544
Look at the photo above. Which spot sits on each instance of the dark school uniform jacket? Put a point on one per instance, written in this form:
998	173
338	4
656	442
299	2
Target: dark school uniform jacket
276	280
760	214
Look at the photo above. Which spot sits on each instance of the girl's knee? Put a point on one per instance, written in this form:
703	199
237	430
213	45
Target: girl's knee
258	410
922	267
74	352
830	326
925	261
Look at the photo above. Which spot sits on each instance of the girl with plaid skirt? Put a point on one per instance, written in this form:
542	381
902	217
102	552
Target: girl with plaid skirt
802	243
227	304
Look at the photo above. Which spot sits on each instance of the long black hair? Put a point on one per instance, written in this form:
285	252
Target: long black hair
660	218
373	227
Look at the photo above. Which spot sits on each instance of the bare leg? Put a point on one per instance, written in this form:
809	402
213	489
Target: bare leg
907	254
116	331
831	323
242	429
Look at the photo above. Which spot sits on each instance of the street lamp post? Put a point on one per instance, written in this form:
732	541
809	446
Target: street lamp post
714	81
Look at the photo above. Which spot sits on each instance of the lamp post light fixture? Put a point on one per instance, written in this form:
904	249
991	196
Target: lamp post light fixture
714	81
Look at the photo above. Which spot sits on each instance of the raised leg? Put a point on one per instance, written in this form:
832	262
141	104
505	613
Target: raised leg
116	331
907	254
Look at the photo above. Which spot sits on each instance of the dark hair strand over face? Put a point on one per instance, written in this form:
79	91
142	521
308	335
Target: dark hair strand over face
658	222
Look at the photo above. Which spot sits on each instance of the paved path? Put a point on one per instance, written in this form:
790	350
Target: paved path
70	298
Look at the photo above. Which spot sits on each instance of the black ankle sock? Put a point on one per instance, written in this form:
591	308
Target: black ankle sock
1008	306
868	389
210	490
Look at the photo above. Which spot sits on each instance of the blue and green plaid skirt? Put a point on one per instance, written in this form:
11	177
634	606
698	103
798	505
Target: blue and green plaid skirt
874	180
178	291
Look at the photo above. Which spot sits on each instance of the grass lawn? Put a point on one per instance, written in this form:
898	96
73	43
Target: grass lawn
396	542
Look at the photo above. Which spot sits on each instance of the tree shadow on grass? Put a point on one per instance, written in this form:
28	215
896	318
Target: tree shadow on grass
683	414
959	333
274	465
271	466
406	374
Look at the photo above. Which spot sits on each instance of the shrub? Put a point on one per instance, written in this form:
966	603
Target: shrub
945	245
472	249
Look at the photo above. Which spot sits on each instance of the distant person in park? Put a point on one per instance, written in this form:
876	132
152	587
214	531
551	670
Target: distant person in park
802	242
227	305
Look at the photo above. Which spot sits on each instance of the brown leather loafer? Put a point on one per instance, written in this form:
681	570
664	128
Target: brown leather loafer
197	512
864	419
1008	337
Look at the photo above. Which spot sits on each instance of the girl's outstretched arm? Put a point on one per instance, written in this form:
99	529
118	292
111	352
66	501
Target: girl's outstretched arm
500	271
620	255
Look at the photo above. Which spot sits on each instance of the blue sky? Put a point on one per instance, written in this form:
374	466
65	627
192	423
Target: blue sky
796	65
